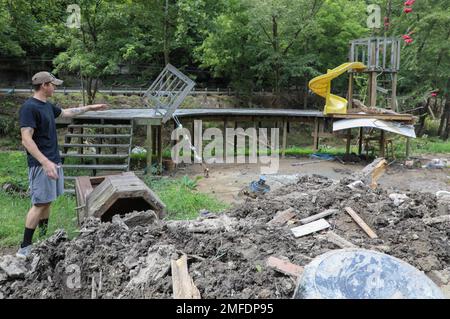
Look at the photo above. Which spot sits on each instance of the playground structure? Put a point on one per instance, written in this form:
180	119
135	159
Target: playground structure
381	56
321	85
378	56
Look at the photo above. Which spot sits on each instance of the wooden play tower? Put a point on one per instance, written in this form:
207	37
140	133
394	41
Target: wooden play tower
381	55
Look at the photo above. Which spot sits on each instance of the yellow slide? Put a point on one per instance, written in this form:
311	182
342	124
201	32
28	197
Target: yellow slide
321	85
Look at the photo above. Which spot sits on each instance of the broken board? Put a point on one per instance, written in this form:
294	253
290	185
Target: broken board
310	228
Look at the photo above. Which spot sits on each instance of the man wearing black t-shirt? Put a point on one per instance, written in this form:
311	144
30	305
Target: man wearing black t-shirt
38	129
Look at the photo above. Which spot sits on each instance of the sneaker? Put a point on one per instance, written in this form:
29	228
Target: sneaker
24	252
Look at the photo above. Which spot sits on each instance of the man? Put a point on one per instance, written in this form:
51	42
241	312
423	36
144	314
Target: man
45	174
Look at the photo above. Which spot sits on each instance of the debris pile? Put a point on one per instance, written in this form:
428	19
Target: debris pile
237	254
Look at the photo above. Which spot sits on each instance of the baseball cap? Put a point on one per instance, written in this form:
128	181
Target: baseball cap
45	77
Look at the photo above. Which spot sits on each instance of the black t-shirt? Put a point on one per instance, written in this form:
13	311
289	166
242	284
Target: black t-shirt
41	117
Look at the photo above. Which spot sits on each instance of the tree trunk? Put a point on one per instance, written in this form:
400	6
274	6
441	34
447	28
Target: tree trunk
276	65
443	131
166	34
422	117
445	121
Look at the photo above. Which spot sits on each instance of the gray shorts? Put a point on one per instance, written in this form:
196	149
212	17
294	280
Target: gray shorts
43	189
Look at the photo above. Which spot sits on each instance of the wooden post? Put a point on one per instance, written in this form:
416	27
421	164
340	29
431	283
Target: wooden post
361	135
235	138
283	147
382	144
159	128
394	105
373	78
408	147
316	134
349	140
149	145
350	90
225	124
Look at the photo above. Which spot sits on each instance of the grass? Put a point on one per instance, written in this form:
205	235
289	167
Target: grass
182	199
13	211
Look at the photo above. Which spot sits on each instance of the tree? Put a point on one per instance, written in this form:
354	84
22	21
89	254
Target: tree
278	42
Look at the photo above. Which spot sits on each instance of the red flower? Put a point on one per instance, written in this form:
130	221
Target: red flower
407	10
409	40
406	37
409	3
434	94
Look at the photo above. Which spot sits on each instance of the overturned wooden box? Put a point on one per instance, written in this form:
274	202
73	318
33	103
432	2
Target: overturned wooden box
106	196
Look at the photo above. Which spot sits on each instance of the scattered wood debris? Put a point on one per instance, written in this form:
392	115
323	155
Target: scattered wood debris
183	285
310	228
284	266
361	223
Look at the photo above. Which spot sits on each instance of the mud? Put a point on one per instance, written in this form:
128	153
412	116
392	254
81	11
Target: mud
227	253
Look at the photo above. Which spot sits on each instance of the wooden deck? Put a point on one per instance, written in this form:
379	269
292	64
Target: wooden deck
145	116
229	117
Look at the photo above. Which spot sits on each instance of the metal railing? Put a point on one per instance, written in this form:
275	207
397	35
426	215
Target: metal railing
131	91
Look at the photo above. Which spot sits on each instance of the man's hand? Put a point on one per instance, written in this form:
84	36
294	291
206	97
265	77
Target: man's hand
97	107
51	169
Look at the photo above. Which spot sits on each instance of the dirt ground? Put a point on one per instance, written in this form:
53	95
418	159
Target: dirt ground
226	180
227	253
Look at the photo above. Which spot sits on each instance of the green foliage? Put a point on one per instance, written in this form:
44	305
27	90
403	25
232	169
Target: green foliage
14	209
188	183
14	169
183	202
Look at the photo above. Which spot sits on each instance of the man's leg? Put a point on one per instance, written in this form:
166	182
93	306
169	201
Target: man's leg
32	221
43	223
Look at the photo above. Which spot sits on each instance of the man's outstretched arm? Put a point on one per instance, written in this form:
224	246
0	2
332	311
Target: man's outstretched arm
68	113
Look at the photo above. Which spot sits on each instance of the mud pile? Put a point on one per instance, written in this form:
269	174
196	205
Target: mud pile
130	257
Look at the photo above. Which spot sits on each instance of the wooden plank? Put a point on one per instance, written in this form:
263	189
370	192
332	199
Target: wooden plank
83	188
99	167
99	135
283	147
116	156
338	240
389	117
95	145
149	147
361	223
282	217
99	126
313	227
182	283
284	266
368	169
323	214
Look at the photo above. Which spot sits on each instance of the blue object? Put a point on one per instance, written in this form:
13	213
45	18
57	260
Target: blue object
259	186
323	156
363	274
